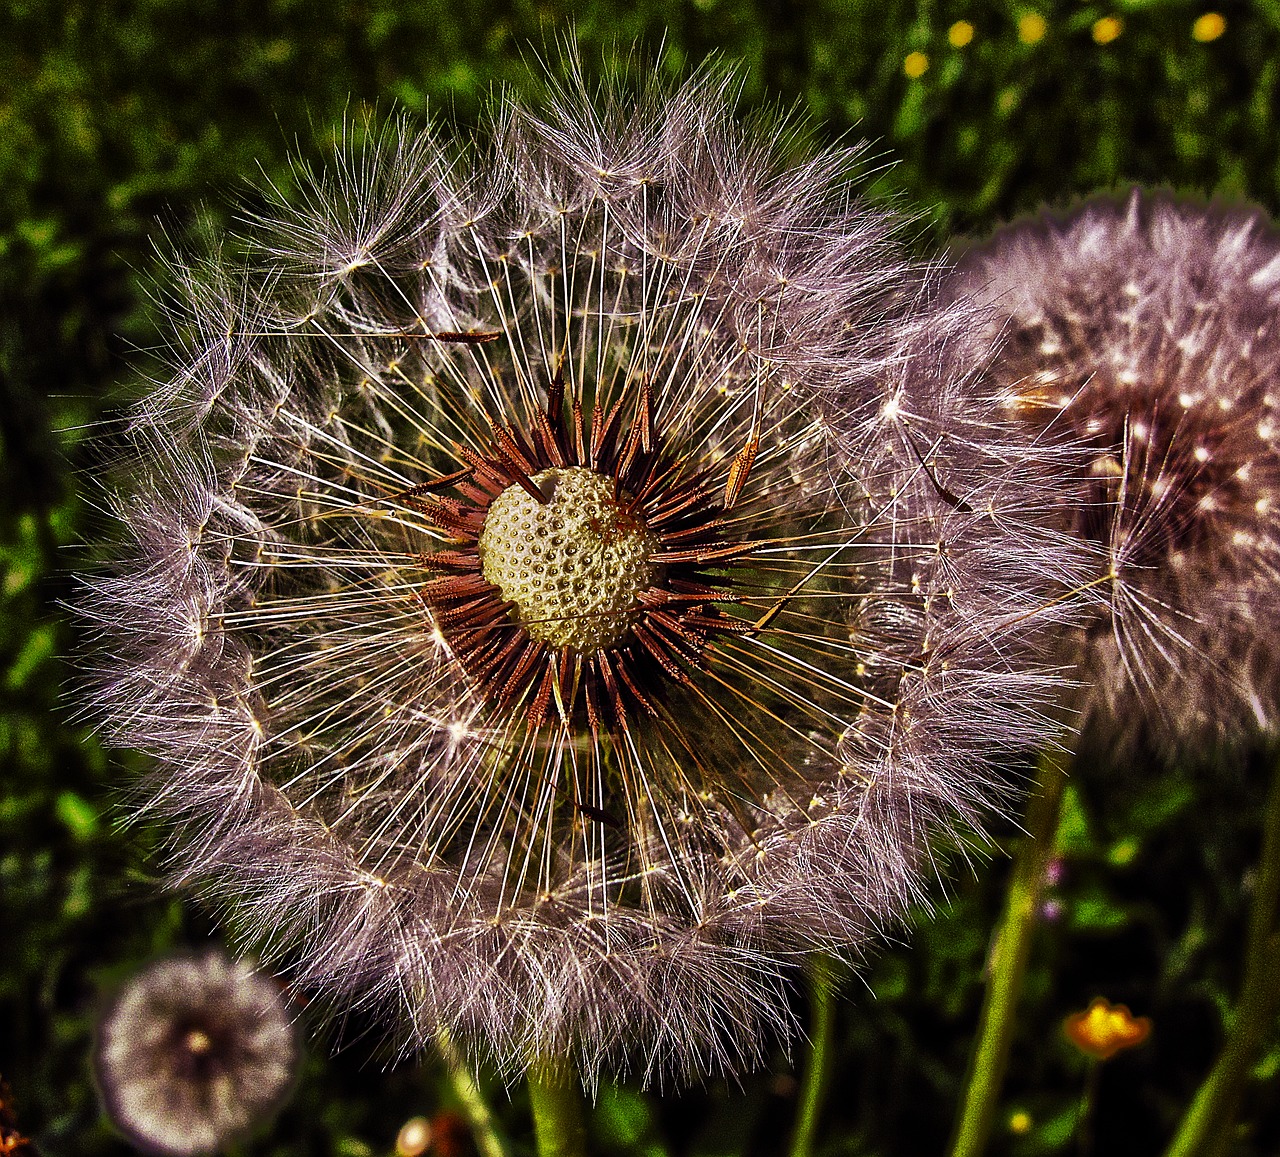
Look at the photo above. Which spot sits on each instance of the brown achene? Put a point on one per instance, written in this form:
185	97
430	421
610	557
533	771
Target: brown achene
683	512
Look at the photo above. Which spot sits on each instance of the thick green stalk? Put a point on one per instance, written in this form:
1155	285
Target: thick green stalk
1008	961
556	1101
471	1102
1208	1127
823	978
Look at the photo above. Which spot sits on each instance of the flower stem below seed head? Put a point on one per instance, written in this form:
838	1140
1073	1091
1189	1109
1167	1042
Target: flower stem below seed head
824	978
556	1103
470	1099
1008	961
1207	1126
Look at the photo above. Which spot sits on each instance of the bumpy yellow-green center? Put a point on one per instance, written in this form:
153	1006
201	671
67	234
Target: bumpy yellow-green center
573	565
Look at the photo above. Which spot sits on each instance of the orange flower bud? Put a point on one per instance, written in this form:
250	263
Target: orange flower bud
1104	1029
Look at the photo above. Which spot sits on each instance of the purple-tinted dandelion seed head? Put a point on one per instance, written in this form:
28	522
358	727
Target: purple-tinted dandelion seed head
1146	332
194	1051
539	634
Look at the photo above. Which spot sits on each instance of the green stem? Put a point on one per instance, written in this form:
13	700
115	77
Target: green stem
471	1102
823	979
1008	961
1084	1119
556	1102
1208	1127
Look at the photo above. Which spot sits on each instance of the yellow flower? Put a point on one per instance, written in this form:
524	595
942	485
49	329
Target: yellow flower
1107	29
915	65
960	33
1032	27
1208	27
1105	1029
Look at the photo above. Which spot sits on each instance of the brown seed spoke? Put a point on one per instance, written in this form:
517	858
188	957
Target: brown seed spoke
463	336
666	657
688	497
449	514
495	476
477	496
740	470
519	460
450	560
668	474
603	435
674	626
633	686
441	483
548	439
570	661
645	419
702	530
675	618
686	589
639	442
704	554
555	394
455	587
579	432
617	708
591	687
484	609
719	623
537	713
493	656
522	673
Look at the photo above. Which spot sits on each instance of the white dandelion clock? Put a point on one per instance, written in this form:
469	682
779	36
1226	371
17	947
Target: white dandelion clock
522	651
193	1052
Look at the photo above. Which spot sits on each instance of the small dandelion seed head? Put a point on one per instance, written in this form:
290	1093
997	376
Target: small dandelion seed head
1143	332
193	1052
583	636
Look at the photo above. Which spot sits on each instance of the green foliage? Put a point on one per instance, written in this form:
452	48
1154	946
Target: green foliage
116	114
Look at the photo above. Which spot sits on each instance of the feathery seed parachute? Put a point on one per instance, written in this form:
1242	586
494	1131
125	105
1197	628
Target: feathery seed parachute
561	582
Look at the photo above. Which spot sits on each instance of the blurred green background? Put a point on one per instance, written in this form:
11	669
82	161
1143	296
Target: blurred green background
116	117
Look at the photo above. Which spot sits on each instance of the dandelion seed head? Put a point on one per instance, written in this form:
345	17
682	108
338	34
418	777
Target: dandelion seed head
582	638
193	1052
1144	332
